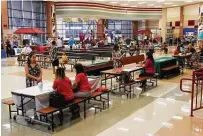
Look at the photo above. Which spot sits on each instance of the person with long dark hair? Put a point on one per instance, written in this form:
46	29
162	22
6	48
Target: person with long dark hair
33	71
81	82
149	68
62	85
148	65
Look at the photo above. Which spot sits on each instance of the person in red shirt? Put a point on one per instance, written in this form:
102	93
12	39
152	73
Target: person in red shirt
62	85
148	66
81	82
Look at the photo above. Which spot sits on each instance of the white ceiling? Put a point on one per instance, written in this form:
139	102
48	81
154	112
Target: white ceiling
140	3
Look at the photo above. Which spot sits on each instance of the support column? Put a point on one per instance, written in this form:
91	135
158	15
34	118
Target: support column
163	24
100	29
135	29
4	17
51	19
181	22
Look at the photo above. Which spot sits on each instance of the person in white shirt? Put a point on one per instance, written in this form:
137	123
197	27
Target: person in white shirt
26	49
59	42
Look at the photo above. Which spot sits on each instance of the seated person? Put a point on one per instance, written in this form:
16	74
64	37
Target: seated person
148	65
26	49
193	58
132	49
81	84
165	48
62	85
149	68
64	60
177	51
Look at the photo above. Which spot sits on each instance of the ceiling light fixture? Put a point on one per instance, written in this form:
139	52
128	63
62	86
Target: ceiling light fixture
158	6
160	0
175	5
113	2
188	1
168	3
150	5
124	4
141	3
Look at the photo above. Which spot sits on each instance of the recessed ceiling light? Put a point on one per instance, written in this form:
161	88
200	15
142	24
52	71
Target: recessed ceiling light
174	5
158	6
124	4
150	5
113	2
141	3
188	1
168	3
160	0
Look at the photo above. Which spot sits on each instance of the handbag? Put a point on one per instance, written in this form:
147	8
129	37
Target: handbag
56	100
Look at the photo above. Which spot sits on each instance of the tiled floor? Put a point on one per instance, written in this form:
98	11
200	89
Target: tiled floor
161	111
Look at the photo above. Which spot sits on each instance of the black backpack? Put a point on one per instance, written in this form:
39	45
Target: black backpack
56	100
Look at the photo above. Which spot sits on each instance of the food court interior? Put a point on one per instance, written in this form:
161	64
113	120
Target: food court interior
143	61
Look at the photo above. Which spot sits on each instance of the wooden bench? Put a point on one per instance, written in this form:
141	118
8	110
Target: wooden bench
10	103
168	70
50	110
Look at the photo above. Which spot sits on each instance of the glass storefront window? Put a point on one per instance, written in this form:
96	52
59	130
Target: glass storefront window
73	29
28	14
27	6
121	26
15	4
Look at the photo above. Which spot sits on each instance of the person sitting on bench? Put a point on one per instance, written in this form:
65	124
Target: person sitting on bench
62	85
81	84
64	59
165	48
149	68
177	51
194	58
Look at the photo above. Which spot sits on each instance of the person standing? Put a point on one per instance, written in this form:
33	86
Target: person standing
8	48
71	43
33	71
116	56
54	56
59	43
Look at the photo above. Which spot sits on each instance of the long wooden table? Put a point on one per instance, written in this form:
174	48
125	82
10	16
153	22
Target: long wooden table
119	72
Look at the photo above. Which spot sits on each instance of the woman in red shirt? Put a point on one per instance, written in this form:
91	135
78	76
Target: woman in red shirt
62	85
148	66
81	82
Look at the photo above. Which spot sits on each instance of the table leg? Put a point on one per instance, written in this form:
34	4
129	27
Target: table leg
84	109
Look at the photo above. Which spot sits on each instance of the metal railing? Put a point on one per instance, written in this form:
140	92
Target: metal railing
196	90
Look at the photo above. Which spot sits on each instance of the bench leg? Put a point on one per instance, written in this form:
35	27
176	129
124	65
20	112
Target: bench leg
108	99
10	111
52	121
84	109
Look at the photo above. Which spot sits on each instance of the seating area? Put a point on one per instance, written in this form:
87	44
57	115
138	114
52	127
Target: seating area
102	68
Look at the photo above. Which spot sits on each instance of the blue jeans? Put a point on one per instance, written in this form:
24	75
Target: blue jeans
83	94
